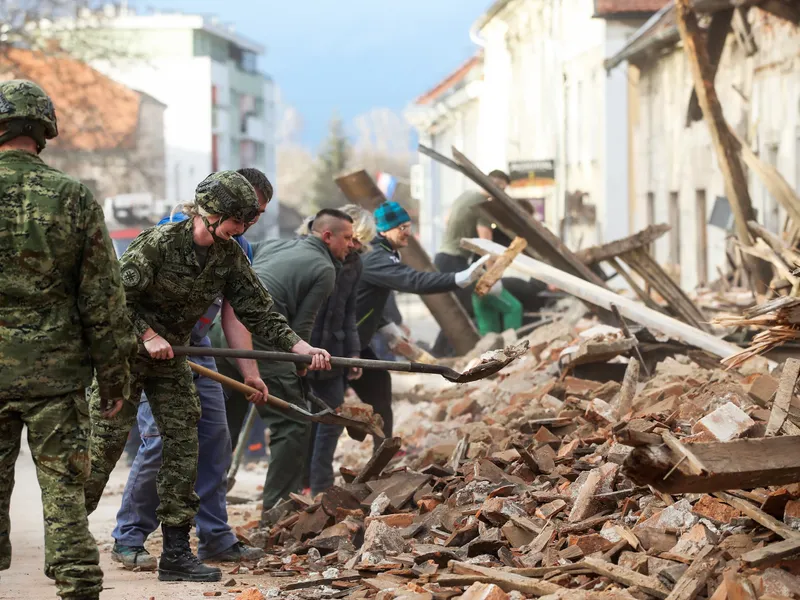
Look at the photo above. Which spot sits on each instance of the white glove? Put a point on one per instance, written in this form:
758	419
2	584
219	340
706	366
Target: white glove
497	288
392	330
472	273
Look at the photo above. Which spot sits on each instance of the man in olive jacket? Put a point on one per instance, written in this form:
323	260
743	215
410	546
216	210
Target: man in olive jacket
300	275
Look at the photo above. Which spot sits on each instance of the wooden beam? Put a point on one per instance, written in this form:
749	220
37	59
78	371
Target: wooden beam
629	577
495	272
359	188
727	157
772	553
716	36
783	397
776	185
509	582
604	298
637	241
759	516
785	10
745	464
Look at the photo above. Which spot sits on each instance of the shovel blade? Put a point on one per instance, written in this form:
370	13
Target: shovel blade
492	362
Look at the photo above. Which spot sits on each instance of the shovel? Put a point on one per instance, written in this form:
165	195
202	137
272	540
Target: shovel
324	416
486	368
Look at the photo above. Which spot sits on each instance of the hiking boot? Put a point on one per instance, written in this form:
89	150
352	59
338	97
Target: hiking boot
239	552
133	558
177	561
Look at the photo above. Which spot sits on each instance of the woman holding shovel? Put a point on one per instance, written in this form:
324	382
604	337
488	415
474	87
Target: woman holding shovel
171	275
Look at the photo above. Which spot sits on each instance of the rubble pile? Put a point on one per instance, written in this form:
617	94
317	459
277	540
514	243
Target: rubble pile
542	483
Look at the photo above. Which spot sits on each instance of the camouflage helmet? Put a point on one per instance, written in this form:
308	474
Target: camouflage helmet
229	195
23	99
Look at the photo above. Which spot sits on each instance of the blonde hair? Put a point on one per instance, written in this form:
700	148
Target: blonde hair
190	209
364	229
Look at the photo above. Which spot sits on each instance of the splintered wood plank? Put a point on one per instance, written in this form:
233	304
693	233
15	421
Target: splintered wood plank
623	402
693	581
626	576
783	398
508	582
759	516
746	464
772	552
643	239
495	272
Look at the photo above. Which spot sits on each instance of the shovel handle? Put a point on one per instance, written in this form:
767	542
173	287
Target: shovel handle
237	385
336	361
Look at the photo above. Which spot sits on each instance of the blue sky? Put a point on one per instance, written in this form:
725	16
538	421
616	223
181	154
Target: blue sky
349	55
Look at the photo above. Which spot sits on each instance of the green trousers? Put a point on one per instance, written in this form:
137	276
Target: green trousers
289	436
495	314
175	404
58	437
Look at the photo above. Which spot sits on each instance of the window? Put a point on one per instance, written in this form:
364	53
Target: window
675	232
214	98
702	237
651	208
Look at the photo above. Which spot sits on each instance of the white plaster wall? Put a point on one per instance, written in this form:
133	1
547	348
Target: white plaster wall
761	100
493	123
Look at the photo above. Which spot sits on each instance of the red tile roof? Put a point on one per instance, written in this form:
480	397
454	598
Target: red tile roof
94	112
616	7
451	80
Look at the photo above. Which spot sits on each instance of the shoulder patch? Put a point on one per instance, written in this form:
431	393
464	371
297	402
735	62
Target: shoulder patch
131	276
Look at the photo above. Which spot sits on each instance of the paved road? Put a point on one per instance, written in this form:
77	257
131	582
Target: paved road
26	578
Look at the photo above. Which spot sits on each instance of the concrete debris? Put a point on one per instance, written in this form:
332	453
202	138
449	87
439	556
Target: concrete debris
533	483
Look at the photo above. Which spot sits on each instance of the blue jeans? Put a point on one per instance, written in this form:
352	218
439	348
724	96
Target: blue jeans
136	518
326	436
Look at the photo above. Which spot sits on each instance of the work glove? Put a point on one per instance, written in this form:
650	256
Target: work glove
497	288
472	273
392	330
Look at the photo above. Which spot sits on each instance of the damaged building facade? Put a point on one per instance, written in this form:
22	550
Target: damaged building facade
677	179
537	102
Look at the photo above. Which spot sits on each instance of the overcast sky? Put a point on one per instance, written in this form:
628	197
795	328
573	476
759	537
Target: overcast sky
349	55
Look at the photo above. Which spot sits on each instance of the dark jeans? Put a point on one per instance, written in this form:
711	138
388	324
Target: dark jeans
289	435
325	436
447	263
375	388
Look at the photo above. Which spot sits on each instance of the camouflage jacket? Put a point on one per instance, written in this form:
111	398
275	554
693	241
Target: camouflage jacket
168	291
62	308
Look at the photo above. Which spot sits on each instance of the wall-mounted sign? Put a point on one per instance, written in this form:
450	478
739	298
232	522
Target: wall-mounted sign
532	172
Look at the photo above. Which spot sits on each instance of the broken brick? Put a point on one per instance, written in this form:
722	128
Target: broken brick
714	510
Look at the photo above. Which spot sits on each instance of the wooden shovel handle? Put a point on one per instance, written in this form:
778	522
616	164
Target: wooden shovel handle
237	385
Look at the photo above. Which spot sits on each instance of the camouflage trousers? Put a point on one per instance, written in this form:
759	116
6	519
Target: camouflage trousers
58	437
176	409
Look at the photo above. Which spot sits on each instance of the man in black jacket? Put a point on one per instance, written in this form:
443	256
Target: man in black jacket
382	273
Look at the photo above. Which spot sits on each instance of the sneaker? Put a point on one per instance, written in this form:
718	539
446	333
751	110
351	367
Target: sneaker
133	558
239	552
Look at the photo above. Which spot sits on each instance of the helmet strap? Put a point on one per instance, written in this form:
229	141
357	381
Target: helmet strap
16	128
212	227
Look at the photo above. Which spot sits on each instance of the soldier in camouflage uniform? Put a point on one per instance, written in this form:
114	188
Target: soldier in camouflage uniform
171	274
62	313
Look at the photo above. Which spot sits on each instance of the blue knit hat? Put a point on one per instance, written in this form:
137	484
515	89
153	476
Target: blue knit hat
390	215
